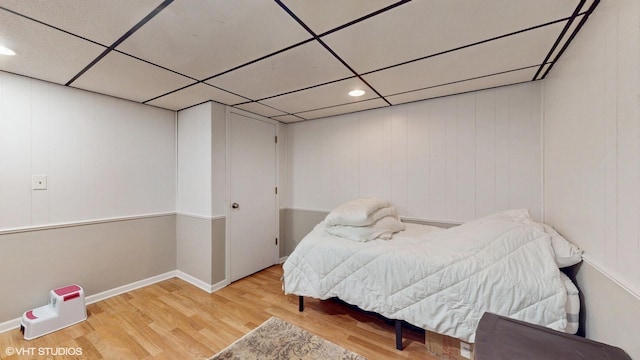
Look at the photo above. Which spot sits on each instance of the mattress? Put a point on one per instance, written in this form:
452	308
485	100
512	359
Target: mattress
441	280
572	307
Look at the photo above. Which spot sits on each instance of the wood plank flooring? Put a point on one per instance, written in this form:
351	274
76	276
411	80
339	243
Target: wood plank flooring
175	320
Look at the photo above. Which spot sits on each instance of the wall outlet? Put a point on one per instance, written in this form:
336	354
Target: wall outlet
39	182
465	350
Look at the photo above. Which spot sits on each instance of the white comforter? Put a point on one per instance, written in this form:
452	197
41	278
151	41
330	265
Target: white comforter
439	280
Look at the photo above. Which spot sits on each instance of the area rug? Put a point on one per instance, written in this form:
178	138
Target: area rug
277	339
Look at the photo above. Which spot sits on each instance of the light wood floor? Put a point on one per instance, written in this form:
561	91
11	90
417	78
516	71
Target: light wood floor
175	320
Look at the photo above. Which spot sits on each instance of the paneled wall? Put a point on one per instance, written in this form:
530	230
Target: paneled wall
449	159
200	249
100	257
592	163
103	157
194	194
219	160
592	141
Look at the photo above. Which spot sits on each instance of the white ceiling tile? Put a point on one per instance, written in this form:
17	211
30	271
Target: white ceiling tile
344	109
288	118
260	109
306	65
545	68
570	31
508	53
202	38
422	28
193	95
125	77
512	77
98	20
320	97
587	5
42	52
322	16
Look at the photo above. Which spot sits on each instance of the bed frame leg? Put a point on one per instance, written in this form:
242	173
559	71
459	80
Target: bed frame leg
399	334
300	303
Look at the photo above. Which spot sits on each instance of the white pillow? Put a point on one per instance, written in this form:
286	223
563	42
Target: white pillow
567	254
381	229
358	212
515	215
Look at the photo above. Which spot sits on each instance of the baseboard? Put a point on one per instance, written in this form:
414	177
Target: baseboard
129	287
10	325
282	259
193	280
219	285
15	323
201	284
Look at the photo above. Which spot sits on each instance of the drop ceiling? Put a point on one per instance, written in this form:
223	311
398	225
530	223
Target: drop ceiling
290	60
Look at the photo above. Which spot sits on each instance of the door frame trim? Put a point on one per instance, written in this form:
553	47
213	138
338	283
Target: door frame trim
227	244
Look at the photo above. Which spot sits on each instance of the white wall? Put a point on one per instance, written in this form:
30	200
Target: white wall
103	157
592	153
194	161
201	192
592	141
219	159
201	160
448	159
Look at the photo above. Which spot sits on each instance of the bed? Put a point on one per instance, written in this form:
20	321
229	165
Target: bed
443	280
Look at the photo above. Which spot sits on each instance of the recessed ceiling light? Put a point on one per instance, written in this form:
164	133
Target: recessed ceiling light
6	51
356	93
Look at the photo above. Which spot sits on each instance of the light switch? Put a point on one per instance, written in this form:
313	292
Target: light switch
39	182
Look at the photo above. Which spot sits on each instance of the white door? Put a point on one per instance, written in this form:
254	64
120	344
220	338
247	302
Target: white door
252	197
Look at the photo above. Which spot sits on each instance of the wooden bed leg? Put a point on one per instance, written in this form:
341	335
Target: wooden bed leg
300	303
399	334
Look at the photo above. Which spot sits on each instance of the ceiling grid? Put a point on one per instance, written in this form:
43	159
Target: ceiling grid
290	60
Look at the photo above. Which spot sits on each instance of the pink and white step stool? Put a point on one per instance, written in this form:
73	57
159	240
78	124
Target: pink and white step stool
65	308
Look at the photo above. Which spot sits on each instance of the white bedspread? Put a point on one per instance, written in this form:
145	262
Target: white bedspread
439	280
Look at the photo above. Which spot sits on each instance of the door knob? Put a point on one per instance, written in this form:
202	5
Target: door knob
235	205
